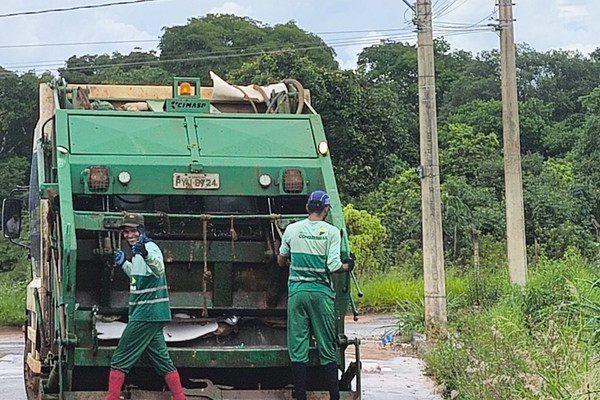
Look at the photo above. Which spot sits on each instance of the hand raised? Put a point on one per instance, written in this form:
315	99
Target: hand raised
143	237
119	258
139	248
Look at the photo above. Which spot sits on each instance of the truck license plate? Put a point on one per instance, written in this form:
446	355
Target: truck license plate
196	181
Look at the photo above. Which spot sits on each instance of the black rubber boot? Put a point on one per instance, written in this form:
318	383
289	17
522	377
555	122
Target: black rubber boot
333	385
299	378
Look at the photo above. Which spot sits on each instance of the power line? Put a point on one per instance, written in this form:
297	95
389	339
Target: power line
55	10
446	29
67	44
217	55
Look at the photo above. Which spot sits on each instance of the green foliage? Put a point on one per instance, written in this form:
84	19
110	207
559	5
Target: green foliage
14	172
275	67
399	290
137	68
367	237
532	343
223	43
383	291
558	77
397	202
555	218
14	276
18	113
464	151
373	135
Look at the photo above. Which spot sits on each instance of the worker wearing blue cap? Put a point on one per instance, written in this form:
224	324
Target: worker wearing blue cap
313	248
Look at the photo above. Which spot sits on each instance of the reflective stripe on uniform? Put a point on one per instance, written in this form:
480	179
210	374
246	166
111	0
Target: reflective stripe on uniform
323	270
303	279
156	289
137	303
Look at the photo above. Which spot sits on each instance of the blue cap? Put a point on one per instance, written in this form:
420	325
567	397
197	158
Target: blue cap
318	198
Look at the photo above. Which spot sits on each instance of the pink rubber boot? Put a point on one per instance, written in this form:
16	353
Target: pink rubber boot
115	383
174	383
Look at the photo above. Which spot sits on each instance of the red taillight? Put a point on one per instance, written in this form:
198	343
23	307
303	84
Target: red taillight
292	181
98	179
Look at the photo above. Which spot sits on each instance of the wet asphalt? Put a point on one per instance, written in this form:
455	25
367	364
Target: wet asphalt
386	374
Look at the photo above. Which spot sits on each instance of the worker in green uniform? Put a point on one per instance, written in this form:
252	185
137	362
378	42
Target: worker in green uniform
149	310
312	247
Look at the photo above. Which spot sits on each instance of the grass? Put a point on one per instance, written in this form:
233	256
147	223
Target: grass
537	342
13	284
388	292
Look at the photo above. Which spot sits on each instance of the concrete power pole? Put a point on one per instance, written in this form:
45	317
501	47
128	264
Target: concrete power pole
515	222
436	319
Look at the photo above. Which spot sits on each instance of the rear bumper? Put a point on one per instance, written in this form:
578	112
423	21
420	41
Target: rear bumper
211	393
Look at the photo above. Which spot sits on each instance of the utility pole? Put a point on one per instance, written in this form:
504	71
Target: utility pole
515	221
436	319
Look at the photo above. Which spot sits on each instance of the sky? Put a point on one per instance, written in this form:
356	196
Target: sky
347	25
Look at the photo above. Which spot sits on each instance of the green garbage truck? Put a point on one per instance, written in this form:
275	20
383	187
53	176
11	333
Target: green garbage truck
218	173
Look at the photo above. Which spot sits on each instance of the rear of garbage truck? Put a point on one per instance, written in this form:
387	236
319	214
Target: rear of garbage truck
217	177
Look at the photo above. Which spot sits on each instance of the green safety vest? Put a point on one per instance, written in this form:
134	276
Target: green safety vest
148	294
314	250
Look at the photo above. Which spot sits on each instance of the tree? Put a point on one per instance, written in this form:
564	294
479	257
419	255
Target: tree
18	113
397	203
478	80
367	237
222	43
557	77
551	209
139	68
466	153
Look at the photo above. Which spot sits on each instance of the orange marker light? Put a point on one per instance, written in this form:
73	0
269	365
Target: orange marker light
185	89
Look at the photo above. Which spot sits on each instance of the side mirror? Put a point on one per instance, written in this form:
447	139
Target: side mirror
11	217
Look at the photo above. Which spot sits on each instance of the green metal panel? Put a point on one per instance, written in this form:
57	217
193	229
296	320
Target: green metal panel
238	176
255	137
223	357
128	135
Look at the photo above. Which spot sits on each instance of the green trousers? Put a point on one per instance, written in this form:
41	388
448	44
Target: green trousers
311	312
137	338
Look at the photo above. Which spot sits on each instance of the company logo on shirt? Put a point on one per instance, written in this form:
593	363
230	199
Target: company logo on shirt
312	237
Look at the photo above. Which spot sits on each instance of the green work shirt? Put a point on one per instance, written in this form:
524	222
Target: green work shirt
314	251
148	294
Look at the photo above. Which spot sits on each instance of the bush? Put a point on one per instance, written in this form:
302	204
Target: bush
366	236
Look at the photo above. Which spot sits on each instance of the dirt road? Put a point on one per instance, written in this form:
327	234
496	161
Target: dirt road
387	374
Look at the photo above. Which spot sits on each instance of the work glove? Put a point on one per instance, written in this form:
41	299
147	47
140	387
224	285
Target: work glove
119	257
350	263
143	237
139	248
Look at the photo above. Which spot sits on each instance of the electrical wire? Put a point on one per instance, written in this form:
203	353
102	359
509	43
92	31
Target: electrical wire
234	52
67	44
444	28
84	7
74	44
